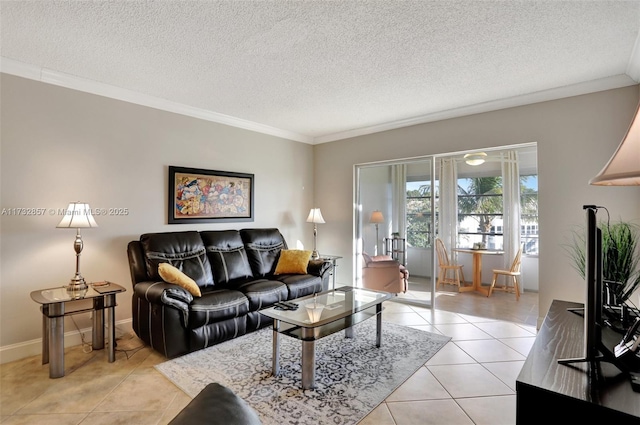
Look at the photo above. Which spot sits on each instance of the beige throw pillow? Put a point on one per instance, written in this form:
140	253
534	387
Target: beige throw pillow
293	261
170	274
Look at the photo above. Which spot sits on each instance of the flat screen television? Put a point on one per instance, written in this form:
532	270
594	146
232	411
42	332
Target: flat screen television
593	350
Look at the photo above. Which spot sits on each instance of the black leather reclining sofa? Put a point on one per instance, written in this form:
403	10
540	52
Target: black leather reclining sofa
234	270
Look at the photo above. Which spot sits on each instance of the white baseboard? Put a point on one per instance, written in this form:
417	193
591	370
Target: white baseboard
25	349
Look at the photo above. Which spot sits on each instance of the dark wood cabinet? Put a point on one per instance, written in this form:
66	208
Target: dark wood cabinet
548	392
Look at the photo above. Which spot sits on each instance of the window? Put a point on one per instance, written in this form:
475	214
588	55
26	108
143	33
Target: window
529	214
480	201
480	211
418	213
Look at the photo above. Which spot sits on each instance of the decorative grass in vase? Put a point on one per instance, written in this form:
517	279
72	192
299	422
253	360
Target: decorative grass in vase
620	264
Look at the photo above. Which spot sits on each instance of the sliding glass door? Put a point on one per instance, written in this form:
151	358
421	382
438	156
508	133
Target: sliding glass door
395	205
467	199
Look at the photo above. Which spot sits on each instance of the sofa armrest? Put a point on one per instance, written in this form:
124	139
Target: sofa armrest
319	267
167	294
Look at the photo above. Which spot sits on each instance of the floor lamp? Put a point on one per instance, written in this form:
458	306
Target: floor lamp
376	218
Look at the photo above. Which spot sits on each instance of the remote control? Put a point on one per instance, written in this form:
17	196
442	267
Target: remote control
345	289
286	305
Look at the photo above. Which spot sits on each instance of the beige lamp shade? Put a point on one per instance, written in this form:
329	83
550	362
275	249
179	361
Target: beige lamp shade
623	169
315	216
78	215
376	217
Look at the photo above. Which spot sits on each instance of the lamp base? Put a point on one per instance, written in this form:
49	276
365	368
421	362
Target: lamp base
315	255
77	283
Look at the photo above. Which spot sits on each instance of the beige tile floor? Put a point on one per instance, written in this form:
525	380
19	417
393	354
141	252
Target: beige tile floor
470	381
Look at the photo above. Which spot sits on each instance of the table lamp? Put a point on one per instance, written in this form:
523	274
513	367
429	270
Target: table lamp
78	215
315	217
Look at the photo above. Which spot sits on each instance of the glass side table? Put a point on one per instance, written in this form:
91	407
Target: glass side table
57	303
333	259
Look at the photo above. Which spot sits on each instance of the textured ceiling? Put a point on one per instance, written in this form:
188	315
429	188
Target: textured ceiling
325	70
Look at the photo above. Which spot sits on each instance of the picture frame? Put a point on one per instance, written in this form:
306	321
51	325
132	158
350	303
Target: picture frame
198	195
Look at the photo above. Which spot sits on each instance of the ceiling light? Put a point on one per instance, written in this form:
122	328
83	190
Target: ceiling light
475	158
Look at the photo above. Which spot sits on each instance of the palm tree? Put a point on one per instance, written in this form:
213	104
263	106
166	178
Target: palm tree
482	201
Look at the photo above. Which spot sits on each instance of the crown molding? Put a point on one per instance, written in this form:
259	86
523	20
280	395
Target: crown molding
20	69
608	83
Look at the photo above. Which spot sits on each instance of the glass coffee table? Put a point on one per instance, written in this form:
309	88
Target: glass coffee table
322	315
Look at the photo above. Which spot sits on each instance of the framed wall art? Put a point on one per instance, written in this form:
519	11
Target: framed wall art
206	196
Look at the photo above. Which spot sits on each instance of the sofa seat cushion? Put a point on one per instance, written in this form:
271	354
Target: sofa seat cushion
217	305
300	285
263	293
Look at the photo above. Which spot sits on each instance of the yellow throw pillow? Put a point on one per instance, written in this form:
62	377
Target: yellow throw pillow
170	274
293	261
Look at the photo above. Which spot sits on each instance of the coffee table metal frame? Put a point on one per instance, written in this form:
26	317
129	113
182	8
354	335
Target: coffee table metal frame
344	307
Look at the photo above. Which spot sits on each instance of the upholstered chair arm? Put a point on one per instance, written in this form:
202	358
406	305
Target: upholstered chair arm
167	294
318	267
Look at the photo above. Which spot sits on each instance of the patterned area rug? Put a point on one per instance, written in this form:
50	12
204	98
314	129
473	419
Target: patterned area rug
352	375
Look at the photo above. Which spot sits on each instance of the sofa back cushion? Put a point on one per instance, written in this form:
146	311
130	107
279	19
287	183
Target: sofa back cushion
227	256
183	250
263	248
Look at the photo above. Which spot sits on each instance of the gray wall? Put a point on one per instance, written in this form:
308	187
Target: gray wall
60	145
576	137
